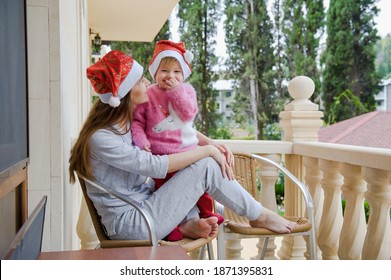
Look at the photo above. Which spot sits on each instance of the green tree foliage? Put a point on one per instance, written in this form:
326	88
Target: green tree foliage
142	51
303	27
198	25
350	53
383	59
251	60
345	106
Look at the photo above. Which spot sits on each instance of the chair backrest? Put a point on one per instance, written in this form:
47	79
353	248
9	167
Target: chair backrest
245	173
102	236
105	241
27	243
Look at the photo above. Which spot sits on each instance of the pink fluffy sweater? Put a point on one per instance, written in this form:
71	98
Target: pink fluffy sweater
165	122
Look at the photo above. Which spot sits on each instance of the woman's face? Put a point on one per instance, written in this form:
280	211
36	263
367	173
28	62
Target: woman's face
138	93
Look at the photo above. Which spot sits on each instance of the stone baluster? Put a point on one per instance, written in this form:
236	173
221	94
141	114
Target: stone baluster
377	243
331	222
313	177
350	245
233	249
300	121
268	176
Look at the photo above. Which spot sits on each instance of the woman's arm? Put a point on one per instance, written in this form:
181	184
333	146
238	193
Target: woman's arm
181	160
204	140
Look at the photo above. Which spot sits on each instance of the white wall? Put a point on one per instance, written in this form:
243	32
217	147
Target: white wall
58	54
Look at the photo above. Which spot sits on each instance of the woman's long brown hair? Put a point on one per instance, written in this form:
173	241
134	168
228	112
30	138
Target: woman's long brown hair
101	116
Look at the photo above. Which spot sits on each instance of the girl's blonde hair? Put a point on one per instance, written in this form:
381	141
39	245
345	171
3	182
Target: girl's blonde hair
101	116
168	60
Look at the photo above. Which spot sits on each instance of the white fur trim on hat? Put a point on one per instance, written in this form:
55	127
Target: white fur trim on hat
127	84
169	53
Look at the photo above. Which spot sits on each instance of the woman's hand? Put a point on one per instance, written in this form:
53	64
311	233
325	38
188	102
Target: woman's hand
204	140
221	159
229	156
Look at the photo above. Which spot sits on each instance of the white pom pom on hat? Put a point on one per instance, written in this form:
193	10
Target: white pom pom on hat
189	56
168	48
114	101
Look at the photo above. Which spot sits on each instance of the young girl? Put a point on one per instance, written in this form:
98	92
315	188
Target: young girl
104	152
164	124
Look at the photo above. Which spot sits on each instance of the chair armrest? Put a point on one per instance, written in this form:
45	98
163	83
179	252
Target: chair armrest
140	208
297	182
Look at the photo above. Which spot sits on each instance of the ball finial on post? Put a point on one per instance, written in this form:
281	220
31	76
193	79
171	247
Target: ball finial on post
301	87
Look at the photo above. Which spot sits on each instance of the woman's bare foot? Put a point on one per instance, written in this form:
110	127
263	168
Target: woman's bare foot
199	228
272	221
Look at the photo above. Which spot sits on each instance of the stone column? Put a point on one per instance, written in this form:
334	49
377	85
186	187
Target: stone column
85	229
300	121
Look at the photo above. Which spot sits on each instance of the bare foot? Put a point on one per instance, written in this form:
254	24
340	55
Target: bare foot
199	228
272	221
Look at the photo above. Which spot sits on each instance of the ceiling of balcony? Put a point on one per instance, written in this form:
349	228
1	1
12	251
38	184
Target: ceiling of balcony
128	20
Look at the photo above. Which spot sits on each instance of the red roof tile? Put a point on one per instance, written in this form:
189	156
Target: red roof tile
369	130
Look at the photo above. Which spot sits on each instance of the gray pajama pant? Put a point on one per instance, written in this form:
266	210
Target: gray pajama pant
173	202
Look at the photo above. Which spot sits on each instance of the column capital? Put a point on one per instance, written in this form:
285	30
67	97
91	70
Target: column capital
301	119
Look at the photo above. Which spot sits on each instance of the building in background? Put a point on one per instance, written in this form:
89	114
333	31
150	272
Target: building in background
225	98
383	99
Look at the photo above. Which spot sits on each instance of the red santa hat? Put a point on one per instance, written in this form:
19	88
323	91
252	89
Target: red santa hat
167	48
113	76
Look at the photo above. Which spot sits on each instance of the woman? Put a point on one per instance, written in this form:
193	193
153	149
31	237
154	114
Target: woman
104	152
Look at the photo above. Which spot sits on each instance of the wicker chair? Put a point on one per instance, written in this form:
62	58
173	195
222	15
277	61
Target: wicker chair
189	245
238	227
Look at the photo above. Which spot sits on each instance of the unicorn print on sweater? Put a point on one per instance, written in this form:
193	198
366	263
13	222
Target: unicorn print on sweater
174	122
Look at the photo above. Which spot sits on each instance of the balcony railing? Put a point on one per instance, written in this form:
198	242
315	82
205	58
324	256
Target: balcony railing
332	173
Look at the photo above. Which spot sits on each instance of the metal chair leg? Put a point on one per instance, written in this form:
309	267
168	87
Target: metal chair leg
264	247
201	253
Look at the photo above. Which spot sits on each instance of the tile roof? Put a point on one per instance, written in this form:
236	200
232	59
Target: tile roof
370	130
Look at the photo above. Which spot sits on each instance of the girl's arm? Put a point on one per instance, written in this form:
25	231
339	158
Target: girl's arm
138	127
184	101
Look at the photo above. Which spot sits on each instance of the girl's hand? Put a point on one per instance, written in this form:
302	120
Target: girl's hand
172	83
147	148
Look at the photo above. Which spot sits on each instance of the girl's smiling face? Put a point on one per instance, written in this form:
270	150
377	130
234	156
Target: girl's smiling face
169	74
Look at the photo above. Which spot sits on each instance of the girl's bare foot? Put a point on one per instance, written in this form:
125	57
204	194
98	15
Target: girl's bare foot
199	228
272	221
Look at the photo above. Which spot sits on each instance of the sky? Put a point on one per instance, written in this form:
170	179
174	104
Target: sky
384	18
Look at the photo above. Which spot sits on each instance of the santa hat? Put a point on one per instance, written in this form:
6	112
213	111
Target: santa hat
113	76
167	48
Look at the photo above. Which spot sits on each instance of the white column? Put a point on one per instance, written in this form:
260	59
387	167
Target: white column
300	121
331	222
350	245
313	177
268	176
377	244
85	229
